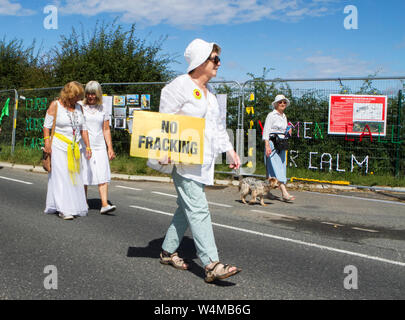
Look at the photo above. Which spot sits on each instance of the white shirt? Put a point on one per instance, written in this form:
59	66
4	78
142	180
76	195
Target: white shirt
94	119
178	97
63	125
275	123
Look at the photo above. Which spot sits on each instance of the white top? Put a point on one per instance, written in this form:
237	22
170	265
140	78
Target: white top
177	97
95	116
275	123
65	122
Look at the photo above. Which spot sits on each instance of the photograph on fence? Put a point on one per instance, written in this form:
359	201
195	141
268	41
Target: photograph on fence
132	110
133	100
145	101
119	101
119	123
120	112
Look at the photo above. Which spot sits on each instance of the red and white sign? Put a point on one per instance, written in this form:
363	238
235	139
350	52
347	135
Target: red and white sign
350	114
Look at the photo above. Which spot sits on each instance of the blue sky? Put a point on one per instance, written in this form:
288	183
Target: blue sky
298	38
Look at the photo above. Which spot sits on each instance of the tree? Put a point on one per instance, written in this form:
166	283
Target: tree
108	54
20	66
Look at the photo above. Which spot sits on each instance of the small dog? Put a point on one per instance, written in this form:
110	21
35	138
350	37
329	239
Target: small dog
257	188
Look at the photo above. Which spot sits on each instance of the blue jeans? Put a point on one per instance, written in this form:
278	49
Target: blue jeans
192	212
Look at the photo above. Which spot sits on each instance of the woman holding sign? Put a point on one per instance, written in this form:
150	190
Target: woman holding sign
96	171
190	95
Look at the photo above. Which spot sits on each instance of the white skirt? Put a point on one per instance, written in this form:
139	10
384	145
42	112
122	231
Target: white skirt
96	170
63	196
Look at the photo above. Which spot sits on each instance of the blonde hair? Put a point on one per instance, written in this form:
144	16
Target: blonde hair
70	91
93	87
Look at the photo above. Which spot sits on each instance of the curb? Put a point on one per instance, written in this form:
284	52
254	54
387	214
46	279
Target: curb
126	177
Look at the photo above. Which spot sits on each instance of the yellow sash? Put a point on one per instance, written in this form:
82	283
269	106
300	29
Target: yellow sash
73	156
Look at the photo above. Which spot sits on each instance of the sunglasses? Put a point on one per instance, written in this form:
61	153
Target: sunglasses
215	59
283	101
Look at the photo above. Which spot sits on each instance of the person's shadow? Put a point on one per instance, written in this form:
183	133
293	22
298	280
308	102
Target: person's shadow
186	250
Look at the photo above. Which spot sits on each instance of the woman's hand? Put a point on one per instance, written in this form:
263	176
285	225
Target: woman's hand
165	160
88	153
47	146
111	154
235	164
268	151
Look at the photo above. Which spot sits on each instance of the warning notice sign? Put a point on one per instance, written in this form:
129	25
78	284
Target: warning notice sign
350	114
163	136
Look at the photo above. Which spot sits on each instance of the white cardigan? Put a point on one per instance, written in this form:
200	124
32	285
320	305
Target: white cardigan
275	123
178	97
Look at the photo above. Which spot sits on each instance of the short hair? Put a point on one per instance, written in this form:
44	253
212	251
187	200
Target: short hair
93	87
216	48
71	90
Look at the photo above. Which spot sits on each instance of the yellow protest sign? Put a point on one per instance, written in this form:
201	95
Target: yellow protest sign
160	135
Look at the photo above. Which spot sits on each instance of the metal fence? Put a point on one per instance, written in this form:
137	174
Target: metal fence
312	148
9	101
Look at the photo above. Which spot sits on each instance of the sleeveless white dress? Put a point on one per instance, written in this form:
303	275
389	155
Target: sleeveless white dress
63	196
96	170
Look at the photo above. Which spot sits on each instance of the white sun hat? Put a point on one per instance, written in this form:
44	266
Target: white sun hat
197	52
279	98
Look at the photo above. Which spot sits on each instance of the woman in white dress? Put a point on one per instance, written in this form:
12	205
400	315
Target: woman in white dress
65	187
96	171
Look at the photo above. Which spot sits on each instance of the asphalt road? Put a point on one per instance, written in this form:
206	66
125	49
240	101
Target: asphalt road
341	246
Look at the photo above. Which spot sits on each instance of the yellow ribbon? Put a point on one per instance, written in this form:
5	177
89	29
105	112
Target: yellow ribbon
73	156
250	110
345	183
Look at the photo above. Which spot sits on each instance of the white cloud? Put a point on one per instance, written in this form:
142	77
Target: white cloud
196	13
329	66
11	8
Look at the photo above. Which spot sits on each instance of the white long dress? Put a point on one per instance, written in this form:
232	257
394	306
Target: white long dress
63	195
96	170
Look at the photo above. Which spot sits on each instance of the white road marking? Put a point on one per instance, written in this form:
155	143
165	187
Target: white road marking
273	214
220	204
165	194
15	180
358	198
309	244
123	187
175	196
362	229
333	224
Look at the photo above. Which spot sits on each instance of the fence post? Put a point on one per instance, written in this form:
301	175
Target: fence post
398	145
14	121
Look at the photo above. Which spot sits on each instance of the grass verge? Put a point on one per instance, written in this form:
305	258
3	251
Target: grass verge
137	166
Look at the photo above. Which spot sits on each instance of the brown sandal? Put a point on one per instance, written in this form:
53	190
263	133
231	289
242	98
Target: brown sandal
220	271
174	260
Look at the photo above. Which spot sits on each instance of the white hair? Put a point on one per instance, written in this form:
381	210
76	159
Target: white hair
93	87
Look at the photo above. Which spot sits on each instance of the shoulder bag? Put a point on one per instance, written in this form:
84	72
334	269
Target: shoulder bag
46	157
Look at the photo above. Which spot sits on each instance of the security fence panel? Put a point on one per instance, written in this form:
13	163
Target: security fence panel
33	104
127	98
313	151
7	110
229	99
376	148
